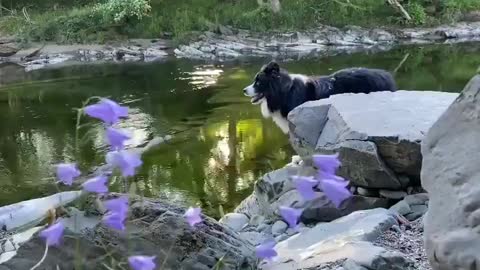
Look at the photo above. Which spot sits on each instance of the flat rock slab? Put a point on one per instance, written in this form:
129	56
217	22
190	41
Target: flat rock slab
383	130
346	237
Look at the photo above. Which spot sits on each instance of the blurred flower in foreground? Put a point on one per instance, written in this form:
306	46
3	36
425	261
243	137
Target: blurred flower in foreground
126	161
66	172
106	110
142	262
266	250
53	234
290	215
116	138
96	184
192	215
304	186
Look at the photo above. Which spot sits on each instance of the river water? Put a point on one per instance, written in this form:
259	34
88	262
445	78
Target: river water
220	145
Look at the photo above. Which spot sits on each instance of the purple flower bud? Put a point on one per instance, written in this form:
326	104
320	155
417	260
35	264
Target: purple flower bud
126	161
53	234
114	220
328	164
116	138
335	190
96	184
66	172
290	215
107	110
266	250
304	186
142	262
192	215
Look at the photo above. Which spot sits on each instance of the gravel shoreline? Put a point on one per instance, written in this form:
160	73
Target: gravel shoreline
408	240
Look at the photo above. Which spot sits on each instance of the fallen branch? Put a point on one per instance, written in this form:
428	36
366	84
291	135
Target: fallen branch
396	5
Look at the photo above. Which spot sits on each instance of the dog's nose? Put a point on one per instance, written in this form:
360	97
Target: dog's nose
244	90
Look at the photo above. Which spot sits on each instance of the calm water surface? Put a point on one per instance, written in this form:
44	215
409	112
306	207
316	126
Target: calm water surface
221	144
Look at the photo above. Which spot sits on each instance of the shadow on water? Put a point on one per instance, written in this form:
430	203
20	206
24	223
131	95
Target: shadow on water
224	145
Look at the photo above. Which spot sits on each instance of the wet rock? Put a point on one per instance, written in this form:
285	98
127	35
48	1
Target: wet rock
155	227
235	221
374	144
393	194
450	176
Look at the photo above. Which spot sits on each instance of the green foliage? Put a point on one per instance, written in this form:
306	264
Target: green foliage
98	20
117	11
417	12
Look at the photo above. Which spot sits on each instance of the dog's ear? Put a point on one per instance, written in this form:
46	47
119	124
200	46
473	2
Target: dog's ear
272	68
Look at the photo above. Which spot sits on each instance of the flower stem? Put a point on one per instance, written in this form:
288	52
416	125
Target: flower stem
42	259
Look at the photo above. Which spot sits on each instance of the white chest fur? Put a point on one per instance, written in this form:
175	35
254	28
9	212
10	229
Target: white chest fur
277	117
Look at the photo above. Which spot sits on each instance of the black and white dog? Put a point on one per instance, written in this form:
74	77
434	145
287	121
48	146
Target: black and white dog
279	92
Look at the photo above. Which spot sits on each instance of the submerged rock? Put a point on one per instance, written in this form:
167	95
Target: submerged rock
378	140
450	174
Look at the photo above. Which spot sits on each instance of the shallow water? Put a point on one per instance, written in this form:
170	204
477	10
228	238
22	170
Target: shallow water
221	144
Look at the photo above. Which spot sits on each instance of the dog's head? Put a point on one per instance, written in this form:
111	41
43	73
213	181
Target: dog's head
266	81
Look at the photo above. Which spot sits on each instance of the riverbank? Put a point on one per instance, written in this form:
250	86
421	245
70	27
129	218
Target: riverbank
229	44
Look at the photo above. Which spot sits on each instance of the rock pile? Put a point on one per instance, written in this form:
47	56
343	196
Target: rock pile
322	41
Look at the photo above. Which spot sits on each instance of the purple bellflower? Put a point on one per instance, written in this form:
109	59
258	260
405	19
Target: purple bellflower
126	161
142	262
290	215
96	184
107	110
327	164
192	215
335	190
116	138
304	186
266	250
66	172
115	220
53	234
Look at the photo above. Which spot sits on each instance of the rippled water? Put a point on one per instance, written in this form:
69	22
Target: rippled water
221	144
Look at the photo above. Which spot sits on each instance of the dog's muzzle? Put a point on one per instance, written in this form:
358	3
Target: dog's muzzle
249	91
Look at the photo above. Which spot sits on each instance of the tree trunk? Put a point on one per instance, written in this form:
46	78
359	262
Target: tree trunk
396	5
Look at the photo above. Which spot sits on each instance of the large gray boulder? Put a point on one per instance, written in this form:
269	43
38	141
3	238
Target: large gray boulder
377	135
157	229
451	175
